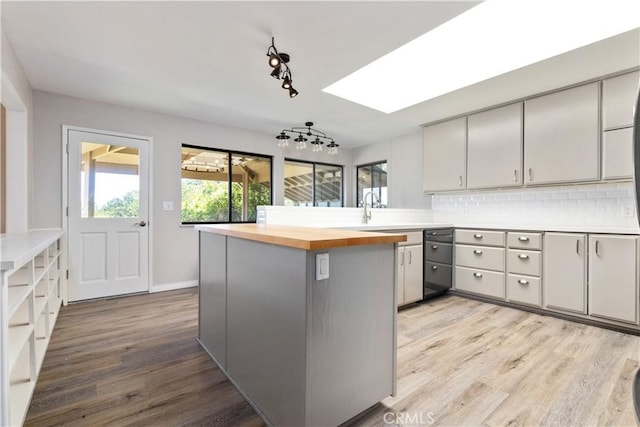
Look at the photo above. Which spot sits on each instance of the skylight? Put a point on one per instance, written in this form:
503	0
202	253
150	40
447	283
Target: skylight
490	39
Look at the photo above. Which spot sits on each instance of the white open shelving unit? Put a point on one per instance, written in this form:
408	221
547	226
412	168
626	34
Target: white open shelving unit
30	274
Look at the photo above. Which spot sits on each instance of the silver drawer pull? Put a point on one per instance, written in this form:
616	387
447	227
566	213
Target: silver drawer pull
477	252
523	256
434	267
523	239
523	282
477	236
477	274
434	233
434	247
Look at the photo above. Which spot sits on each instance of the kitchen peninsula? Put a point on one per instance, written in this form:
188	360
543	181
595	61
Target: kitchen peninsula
302	320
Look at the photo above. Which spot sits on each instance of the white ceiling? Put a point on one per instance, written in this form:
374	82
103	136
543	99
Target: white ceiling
207	60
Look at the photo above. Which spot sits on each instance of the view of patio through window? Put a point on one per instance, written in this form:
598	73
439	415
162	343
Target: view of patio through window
223	186
312	184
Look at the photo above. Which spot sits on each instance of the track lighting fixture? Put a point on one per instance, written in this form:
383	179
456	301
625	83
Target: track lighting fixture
304	133
278	61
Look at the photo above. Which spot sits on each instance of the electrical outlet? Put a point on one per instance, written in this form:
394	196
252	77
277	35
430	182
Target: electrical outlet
627	210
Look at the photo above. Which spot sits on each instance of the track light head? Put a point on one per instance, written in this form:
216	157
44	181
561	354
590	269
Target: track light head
286	84
276	73
274	60
292	92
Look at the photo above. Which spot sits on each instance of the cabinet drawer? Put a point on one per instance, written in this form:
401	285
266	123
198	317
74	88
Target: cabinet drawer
489	283
480	257
438	252
524	240
444	235
480	237
438	274
523	262
523	289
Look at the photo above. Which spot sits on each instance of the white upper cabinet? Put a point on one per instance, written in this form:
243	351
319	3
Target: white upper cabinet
445	152
494	157
619	96
617	153
561	136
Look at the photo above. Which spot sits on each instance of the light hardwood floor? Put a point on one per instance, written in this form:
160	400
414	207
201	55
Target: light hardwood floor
134	361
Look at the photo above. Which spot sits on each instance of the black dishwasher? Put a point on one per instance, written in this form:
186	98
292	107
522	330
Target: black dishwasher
438	258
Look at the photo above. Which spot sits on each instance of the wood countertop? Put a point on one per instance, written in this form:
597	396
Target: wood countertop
307	238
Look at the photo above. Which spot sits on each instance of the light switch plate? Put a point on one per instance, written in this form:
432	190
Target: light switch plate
322	266
167	205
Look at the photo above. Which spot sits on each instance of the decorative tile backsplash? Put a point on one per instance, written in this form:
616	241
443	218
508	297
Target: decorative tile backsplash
603	204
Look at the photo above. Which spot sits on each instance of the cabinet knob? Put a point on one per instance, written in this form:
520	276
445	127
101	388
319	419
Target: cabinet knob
523	256
434	267
477	236
523	282
434	247
477	252
523	239
477	275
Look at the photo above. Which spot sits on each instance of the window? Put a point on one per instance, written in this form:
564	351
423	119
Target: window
110	181
223	186
372	177
312	184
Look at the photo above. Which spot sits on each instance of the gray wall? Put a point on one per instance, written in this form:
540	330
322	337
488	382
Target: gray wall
404	167
174	248
17	98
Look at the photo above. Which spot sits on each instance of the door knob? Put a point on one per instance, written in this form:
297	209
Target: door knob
141	223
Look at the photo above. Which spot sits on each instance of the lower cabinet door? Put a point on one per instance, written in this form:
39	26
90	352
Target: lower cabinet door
413	287
489	283
400	260
613	277
523	289
565	272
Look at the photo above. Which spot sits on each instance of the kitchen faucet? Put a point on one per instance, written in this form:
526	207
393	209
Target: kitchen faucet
367	212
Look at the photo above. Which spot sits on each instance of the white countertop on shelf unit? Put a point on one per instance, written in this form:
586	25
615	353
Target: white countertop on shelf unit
16	249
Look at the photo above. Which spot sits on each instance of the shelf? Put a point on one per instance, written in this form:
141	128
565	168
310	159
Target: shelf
41	351
40	272
54	310
17	295
19	403
40	304
21	277
53	255
18	337
42	289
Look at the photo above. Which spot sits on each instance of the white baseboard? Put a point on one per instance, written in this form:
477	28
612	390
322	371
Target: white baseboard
173	286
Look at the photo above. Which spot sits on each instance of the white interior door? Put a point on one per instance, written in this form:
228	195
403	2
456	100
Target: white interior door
108	199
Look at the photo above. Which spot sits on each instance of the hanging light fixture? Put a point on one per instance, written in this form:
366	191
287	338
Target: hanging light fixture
278	61
304	133
283	140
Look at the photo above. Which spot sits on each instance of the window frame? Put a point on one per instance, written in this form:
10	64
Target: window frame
364	165
313	173
229	154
